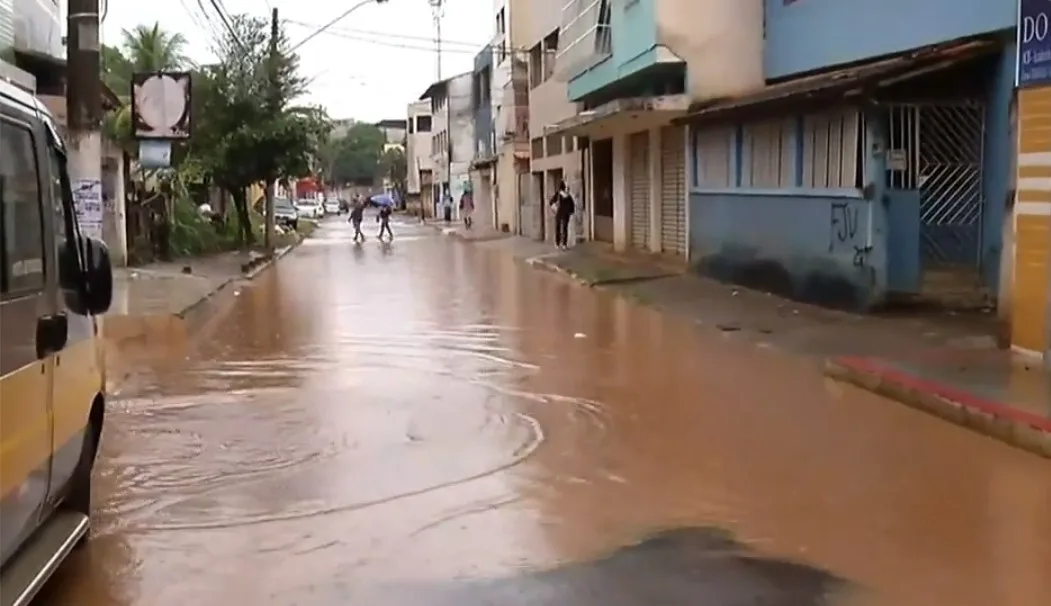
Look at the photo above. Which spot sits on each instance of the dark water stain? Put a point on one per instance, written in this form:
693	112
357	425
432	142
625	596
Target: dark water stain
679	567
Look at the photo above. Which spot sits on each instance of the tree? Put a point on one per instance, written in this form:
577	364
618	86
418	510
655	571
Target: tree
356	156
238	140
394	166
150	49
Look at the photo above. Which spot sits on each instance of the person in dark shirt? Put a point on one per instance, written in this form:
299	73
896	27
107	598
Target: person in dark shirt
564	206
357	213
384	219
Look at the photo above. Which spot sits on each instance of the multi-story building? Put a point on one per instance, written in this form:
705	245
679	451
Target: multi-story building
511	20
418	163
633	66
871	166
1028	276
452	140
554	156
394	130
483	162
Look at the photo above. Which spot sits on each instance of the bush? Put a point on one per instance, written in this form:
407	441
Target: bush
193	234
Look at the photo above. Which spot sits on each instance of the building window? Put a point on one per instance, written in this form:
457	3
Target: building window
554	145
832	144
714	157
501	23
537	147
768	154
536	65
550	51
603	31
423	124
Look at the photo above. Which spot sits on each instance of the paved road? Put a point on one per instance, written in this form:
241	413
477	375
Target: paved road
428	423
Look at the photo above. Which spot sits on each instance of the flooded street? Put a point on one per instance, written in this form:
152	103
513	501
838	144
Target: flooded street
431	423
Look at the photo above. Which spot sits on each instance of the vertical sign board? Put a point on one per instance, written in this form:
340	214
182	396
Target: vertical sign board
1034	43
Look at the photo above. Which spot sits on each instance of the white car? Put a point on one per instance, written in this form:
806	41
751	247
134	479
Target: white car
309	209
331	207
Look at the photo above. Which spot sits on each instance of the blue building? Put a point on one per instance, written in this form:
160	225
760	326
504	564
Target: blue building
875	164
483	162
632	67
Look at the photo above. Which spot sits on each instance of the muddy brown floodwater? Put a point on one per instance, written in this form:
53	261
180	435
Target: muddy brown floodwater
431	423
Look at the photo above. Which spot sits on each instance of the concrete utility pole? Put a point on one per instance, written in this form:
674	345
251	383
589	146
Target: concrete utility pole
84	109
275	109
438	11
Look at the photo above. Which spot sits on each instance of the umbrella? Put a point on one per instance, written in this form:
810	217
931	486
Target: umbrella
382	200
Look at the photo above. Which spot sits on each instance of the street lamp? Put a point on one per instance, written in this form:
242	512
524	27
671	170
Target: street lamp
324	27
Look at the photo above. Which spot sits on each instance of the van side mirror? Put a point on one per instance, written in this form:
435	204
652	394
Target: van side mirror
87	278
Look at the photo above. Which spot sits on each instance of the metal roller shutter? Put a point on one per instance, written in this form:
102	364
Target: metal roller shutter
673	190
639	174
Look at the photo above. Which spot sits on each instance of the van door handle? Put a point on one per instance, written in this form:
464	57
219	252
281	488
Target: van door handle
52	332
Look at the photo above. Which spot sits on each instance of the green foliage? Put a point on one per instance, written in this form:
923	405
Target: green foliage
355	158
247	130
394	165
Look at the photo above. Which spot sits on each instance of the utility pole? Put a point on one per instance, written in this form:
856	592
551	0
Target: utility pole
84	112
438	12
275	109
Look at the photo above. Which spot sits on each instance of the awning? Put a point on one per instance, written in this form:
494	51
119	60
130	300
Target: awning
841	84
631	115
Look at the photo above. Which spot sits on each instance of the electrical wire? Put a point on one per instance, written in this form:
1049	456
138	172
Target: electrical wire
429	49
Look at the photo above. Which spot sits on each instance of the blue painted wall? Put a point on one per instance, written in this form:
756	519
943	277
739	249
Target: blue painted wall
806	35
483	106
809	248
634	48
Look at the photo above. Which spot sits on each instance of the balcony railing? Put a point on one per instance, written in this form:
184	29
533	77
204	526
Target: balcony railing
584	38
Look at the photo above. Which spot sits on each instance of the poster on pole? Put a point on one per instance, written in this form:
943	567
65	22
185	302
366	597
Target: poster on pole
161	104
87	197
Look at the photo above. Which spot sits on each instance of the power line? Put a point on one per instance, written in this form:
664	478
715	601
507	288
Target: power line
357	32
428	49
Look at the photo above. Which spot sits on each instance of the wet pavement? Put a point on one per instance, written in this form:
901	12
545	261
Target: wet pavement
431	423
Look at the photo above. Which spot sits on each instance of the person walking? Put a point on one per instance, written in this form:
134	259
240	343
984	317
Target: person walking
564	206
357	214
384	219
467	209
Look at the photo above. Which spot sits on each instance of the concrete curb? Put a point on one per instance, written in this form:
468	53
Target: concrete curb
251	274
997	420
543	263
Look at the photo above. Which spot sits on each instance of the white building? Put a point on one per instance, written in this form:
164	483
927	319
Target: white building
510	94
452	141
418	161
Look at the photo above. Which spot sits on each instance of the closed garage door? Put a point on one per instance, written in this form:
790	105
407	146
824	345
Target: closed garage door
639	175
673	191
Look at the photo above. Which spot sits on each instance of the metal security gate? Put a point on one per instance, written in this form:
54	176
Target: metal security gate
673	190
639	201
529	206
942	149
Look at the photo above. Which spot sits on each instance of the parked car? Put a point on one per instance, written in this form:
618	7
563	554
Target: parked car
285	213
331	207
310	209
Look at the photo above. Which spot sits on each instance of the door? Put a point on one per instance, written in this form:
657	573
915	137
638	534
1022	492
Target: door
951	138
673	190
639	200
25	374
602	188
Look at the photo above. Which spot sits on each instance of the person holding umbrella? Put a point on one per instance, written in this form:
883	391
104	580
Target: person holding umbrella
386	205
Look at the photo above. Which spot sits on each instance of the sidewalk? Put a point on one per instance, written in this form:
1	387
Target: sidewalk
947	365
475	234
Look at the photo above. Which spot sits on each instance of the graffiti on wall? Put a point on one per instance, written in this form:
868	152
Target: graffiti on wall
846	233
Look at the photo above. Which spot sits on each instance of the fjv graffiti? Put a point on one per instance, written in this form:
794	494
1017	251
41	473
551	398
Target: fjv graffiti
846	233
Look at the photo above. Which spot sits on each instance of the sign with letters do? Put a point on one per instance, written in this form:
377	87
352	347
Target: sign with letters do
1034	43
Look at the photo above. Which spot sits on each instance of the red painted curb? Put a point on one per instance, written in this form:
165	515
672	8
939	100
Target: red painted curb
947	392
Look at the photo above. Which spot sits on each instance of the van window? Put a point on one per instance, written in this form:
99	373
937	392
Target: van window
21	212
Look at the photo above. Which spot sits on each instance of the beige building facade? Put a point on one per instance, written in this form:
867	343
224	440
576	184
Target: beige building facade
553	157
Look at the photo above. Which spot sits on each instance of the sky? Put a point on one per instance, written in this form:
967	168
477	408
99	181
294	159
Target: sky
369	66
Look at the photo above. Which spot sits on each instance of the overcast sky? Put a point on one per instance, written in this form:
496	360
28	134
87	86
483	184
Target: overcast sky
368	67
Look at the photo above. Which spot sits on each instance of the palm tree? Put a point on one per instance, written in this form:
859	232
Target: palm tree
150	48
